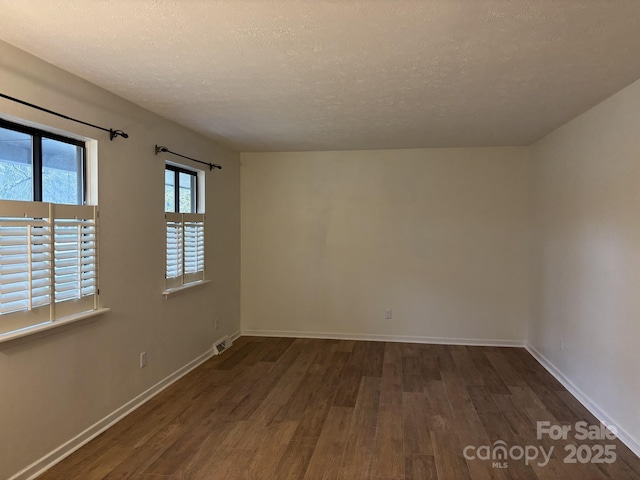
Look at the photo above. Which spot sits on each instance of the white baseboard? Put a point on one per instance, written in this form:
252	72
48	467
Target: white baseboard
624	436
49	460
485	342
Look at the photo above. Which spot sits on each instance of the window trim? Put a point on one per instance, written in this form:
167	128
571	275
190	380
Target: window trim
41	328
184	288
36	153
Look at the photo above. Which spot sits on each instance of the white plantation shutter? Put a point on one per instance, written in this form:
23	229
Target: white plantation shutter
75	258
193	225
185	248
174	262
25	264
48	262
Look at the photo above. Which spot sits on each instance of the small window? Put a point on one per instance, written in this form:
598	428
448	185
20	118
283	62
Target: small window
184	259
40	166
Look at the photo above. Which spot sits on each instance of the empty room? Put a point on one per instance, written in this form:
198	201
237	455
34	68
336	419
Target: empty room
319	240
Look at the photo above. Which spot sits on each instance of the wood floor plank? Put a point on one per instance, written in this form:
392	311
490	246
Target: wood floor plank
445	359
236	356
388	458
345	345
554	470
277	349
429	367
507	373
358	453
267	458
313	418
450	464
392	353
285	387
416	430
230	463
411	374
374	360
491	378
469	426
297	403
420	467
525	433
366	409
438	407
347	392
465	365
178	455
294	461
391	384
325	461
410	349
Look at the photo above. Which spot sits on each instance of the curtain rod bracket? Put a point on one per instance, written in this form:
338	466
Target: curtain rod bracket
117	133
161	149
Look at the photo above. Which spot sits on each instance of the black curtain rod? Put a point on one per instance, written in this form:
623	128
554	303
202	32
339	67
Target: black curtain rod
166	150
112	133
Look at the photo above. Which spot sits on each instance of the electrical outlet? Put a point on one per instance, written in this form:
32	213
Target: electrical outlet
143	359
388	314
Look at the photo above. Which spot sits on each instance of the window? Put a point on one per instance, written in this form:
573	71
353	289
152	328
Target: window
40	166
184	259
180	190
48	241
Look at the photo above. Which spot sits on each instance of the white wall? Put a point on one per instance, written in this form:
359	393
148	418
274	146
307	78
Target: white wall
54	386
587	255
332	239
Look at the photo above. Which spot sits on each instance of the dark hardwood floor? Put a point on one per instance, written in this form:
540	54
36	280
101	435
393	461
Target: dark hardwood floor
276	408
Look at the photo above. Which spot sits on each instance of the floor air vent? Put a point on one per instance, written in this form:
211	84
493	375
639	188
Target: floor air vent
221	346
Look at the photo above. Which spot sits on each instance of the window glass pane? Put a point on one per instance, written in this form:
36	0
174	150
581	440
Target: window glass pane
16	171
61	172
169	191
187	193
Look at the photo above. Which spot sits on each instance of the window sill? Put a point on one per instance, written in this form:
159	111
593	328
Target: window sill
187	287
44	327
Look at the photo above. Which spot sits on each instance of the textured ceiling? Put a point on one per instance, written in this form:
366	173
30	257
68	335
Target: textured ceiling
263	75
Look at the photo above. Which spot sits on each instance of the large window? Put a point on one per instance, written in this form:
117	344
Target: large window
48	241
40	166
184	260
